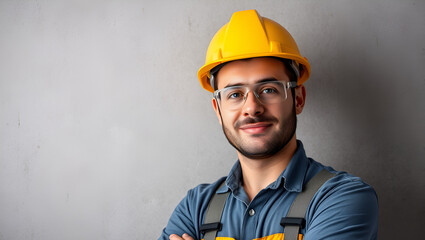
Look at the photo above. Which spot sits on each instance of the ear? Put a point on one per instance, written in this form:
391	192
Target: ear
299	98
216	109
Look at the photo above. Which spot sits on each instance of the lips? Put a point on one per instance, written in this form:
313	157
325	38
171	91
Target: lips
255	128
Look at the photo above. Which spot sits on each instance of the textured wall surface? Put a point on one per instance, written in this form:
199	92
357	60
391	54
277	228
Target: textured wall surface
104	127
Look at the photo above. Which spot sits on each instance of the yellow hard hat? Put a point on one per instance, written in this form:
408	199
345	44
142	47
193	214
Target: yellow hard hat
249	35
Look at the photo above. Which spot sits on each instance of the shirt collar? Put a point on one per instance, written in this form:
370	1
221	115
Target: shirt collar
292	177
233	180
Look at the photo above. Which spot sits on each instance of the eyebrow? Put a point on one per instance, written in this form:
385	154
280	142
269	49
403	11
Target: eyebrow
269	79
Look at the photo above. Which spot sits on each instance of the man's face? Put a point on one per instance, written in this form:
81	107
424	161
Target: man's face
257	131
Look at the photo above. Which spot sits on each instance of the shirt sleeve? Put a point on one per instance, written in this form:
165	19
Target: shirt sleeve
181	220
344	208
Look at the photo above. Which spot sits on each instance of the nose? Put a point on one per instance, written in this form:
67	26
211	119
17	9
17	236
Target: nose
252	106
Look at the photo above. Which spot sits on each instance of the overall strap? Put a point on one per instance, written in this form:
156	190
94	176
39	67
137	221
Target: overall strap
213	214
295	220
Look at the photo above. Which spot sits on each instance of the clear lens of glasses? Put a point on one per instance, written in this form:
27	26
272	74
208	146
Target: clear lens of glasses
234	97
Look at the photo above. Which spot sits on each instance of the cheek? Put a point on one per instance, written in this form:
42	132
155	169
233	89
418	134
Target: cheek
281	112
229	118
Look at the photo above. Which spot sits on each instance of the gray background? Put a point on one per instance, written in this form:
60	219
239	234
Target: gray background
104	127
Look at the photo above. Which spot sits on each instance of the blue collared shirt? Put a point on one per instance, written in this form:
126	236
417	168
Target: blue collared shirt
343	208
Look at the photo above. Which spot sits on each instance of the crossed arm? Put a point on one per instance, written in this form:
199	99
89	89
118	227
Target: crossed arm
183	237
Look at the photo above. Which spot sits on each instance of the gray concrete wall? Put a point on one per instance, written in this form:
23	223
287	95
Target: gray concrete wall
104	127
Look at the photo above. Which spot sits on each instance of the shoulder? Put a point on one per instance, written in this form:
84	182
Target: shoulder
347	187
187	216
346	183
201	194
344	207
197	198
341	184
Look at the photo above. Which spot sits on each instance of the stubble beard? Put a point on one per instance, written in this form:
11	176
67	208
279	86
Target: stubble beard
276	142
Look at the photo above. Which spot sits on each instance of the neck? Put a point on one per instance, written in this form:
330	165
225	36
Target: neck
257	174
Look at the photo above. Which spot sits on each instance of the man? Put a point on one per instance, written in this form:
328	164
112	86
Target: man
257	73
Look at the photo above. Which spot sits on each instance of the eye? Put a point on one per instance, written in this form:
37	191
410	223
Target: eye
234	95
269	90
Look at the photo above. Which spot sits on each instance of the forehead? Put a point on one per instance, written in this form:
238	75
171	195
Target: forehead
250	71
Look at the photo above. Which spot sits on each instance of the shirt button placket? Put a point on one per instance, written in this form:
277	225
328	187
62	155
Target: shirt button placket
249	225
